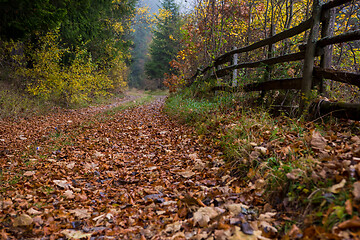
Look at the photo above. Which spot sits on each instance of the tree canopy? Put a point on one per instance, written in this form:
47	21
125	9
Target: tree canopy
165	43
87	39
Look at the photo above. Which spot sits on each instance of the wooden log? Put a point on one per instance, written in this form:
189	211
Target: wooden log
340	109
339	76
345	37
271	61
271	40
289	83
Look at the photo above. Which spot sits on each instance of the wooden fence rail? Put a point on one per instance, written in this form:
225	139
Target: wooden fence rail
312	75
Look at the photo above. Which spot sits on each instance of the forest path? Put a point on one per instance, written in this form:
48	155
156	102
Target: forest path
116	174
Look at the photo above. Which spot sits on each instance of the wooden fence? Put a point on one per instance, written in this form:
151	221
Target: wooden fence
322	15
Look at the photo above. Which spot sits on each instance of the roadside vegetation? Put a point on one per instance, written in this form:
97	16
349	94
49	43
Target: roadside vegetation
304	171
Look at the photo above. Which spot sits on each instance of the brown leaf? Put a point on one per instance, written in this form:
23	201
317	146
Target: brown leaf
29	173
6	204
23	220
239	235
173	227
32	211
356	190
261	150
69	194
203	216
352	223
295	232
74	234
318	141
348	207
186	173
295	174
81	213
62	183
236	209
337	187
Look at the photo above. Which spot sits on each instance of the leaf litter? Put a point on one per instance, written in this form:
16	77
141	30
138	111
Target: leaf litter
139	175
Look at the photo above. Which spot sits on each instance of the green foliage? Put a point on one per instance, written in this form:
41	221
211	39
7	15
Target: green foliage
73	84
187	109
166	41
21	18
67	51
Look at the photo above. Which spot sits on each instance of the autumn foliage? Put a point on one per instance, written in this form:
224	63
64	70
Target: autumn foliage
216	27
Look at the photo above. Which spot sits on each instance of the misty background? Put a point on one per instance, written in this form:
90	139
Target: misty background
142	38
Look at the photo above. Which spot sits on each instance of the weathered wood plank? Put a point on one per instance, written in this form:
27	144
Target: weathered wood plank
345	37
289	83
271	61
327	30
278	84
271	40
310	52
339	76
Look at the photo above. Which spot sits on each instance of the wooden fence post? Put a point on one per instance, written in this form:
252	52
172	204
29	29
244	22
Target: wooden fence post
235	72
327	30
309	57
268	70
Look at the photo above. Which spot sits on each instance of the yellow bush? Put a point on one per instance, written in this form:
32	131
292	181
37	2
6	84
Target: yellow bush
73	83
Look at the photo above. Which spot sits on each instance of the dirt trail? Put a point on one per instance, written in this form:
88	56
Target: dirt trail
134	175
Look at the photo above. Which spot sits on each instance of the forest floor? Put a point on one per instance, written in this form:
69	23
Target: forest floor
125	171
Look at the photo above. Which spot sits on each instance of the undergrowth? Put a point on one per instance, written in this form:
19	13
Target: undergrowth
260	148
16	103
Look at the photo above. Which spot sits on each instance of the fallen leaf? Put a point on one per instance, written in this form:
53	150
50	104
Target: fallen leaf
267	226
21	137
261	150
62	183
246	228
23	220
236	209
71	165
5	204
352	223
81	213
38	220
32	211
173	227
317	141
178	235
239	235
348	207
356	190
295	232
193	156
203	216
295	174
199	165
222	234
75	234
267	216
29	173
186	173
69	194
337	187
98	154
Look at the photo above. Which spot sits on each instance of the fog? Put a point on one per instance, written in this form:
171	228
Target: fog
185	5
